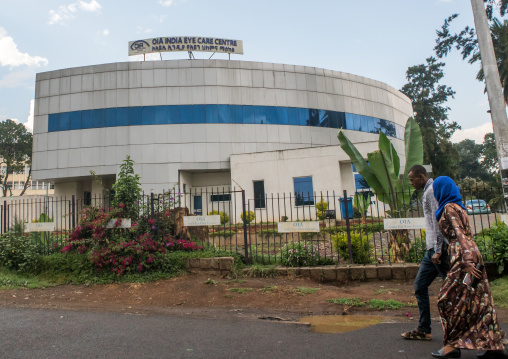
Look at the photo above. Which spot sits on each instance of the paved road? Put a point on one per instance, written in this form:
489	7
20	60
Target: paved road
33	333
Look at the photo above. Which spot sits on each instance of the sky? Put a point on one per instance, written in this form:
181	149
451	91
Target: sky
371	38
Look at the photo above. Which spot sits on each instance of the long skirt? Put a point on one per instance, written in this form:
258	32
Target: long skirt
468	315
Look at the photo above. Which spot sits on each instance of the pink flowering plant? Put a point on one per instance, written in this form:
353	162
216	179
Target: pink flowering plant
128	255
120	250
296	254
91	229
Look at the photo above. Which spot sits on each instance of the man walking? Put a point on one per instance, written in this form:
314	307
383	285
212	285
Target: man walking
435	262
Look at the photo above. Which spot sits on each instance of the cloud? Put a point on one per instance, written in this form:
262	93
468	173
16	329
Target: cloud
18	79
475	133
29	124
66	12
170	2
11	56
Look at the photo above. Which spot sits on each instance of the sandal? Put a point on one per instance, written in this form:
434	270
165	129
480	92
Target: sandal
416	335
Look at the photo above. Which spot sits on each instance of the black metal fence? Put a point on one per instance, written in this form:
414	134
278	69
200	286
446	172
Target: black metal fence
346	228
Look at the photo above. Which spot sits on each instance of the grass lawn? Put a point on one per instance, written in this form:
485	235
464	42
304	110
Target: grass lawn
499	289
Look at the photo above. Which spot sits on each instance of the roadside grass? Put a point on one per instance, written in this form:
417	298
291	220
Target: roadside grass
381	291
210	281
385	304
240	290
262	271
73	268
499	289
306	290
14	280
270	288
352	302
235	281
373	303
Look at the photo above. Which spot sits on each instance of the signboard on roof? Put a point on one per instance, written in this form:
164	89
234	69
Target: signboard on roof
185	43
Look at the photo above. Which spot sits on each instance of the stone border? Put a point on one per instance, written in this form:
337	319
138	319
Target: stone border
333	273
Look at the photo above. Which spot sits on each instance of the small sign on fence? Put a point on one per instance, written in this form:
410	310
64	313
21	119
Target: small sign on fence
126	223
40	227
404	223
288	227
189	221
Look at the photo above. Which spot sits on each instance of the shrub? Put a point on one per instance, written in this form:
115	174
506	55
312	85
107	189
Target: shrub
360	246
249	217
225	234
418	249
295	254
91	229
321	207
224	218
127	189
18	252
267	233
499	234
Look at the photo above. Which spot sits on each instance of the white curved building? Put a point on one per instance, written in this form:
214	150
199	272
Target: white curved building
202	123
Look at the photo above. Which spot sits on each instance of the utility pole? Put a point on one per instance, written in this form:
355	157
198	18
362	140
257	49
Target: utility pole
494	89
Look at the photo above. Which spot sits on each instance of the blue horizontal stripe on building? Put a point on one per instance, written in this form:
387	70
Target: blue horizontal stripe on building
236	114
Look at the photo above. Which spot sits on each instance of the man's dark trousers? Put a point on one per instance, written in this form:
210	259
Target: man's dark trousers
426	274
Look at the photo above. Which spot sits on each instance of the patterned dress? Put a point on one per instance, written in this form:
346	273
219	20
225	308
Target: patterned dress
468	316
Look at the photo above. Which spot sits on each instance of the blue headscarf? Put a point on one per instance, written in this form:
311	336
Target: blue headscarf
446	191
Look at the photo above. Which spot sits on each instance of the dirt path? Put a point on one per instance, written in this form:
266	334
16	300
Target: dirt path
208	294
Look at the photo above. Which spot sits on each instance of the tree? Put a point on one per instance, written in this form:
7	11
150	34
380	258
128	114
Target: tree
467	43
429	98
15	151
478	161
490	4
127	189
489	154
469	165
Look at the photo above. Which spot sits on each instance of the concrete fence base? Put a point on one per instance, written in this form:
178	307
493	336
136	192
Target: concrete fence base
330	273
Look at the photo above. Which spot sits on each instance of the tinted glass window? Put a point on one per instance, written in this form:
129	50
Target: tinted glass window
175	114
304	192
220	197
259	194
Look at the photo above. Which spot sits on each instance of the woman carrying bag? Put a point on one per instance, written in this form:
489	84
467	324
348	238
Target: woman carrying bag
467	310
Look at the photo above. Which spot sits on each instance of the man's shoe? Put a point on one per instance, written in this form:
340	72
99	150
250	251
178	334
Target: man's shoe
455	353
416	335
494	354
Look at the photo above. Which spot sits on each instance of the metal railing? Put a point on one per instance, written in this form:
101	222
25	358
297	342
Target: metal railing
345	235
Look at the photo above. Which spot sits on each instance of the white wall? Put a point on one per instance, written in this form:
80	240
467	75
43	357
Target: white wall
160	151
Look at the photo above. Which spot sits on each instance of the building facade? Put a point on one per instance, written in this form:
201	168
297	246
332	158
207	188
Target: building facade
200	124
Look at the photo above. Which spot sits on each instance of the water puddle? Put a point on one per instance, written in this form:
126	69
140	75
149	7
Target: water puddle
341	323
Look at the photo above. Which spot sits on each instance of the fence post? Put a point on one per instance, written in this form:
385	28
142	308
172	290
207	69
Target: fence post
348	229
152	210
245	227
5	216
73	208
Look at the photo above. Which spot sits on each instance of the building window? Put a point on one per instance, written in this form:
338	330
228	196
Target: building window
259	194
87	198
360	182
220	197
304	192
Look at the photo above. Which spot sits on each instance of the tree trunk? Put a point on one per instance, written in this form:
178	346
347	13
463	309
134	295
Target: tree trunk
27	180
4	184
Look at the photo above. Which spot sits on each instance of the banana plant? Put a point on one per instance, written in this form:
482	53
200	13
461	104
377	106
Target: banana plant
382	173
361	201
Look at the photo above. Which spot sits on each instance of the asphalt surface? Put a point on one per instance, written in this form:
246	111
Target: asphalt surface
33	333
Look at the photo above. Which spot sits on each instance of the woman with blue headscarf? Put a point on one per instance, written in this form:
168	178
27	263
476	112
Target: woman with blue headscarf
467	314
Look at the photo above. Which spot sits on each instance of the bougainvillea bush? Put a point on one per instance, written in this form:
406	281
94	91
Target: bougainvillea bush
122	250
